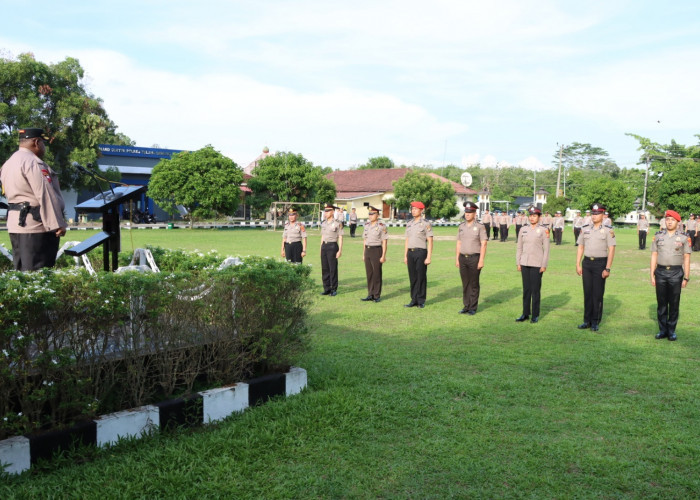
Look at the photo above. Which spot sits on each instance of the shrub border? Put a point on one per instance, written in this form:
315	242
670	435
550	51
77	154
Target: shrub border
19	453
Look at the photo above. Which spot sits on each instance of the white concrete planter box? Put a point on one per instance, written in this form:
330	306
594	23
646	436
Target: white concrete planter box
225	401
16	452
126	424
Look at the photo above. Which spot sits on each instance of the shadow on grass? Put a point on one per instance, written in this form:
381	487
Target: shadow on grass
554	302
499	298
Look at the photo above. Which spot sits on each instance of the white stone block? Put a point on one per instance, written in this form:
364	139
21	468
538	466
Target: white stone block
224	401
15	454
124	424
295	380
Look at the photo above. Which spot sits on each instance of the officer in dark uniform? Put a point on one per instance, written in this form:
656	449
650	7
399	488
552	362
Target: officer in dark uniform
670	271
471	251
374	242
596	245
418	252
293	238
331	250
531	257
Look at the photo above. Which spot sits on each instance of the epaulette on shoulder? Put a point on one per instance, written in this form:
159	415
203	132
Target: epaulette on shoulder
660	231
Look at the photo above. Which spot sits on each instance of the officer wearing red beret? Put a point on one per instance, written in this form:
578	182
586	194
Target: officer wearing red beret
670	271
418	251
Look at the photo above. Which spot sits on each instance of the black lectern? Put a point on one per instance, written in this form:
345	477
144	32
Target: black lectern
110	237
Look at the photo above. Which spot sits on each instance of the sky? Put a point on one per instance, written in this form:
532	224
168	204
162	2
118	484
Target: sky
425	83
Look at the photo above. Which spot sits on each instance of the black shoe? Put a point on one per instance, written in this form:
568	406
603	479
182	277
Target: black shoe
464	310
410	304
522	318
594	327
377	299
471	313
584	326
535	319
421	306
367	299
672	337
326	292
660	335
334	293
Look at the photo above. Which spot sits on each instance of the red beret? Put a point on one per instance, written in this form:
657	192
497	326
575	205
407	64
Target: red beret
418	204
675	215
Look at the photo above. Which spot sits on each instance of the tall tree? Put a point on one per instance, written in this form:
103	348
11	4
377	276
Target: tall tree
437	196
377	162
53	97
289	177
205	182
614	194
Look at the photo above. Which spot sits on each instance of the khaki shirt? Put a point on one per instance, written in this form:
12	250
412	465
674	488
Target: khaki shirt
417	233
546	221
504	220
470	237
533	246
486	218
353	217
293	232
643	225
690	225
587	221
559	223
596	241
330	231
521	220
374	234
671	247
578	222
607	222
25	177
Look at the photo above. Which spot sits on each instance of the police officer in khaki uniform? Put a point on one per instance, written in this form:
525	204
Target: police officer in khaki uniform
546	221
35	203
486	220
471	251
293	238
531	258
642	230
691	228
578	224
374	242
504	224
520	221
418	251
558	227
670	271
331	250
596	245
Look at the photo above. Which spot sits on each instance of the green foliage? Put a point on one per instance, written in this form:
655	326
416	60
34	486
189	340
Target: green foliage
35	94
555	203
73	345
289	177
205	182
377	162
613	194
438	196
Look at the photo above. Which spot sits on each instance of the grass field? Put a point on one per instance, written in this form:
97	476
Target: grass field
428	403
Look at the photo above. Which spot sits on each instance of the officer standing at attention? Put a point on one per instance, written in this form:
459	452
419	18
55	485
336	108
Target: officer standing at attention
486	221
607	221
596	245
35	204
496	224
520	220
642	230
531	258
331	250
547	222
578	224
293	238
418	251
504	224
670	271
375	238
471	251
558	226
352	220
691	228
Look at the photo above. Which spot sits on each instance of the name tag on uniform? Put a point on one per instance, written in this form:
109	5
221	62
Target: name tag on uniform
538	231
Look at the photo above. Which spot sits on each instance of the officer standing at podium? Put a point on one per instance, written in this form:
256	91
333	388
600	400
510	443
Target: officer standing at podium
35	219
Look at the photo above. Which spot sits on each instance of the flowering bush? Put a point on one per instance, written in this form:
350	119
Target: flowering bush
74	345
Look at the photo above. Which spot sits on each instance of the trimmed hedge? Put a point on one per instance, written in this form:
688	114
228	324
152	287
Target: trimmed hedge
73	346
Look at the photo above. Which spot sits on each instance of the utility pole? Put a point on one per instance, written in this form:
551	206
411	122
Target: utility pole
534	188
646	180
561	149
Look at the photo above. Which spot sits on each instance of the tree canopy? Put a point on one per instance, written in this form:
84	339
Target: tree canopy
614	194
53	97
289	177
377	162
437	196
205	182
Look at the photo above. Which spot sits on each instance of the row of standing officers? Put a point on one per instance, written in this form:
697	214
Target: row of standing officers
670	261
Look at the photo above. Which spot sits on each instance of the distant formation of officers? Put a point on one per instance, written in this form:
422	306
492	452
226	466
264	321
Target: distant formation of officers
595	253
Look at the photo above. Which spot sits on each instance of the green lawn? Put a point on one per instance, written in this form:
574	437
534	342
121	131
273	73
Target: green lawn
413	403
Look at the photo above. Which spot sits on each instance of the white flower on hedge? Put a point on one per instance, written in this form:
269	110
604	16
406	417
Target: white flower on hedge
5	353
106	301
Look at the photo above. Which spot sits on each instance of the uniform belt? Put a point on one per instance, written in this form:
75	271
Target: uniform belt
328	242
416	249
470	254
373	246
668	268
25	208
595	258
